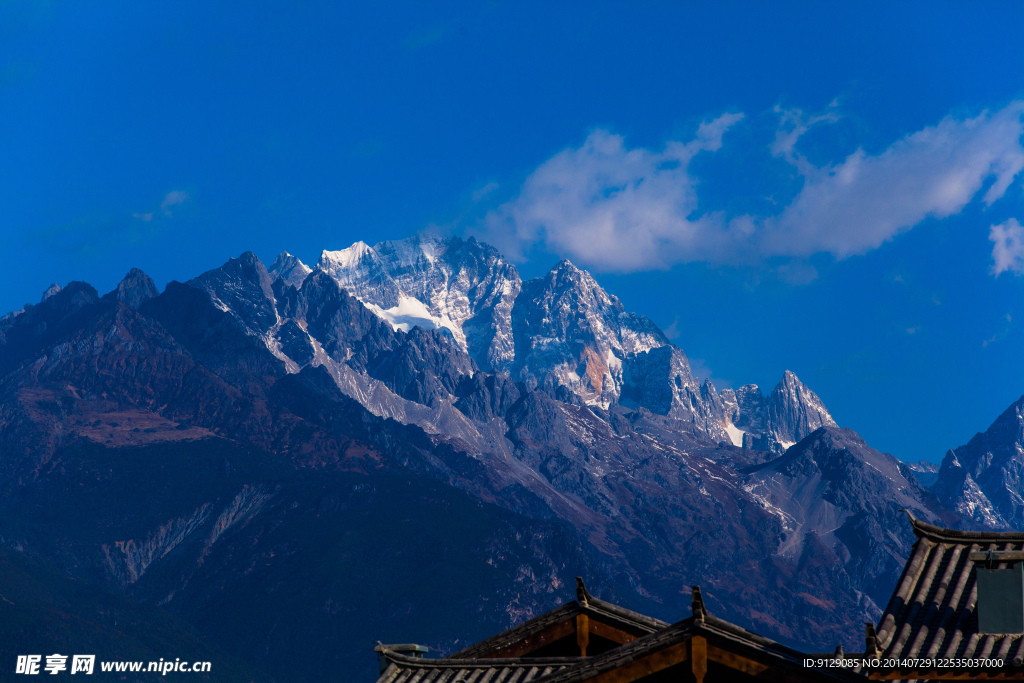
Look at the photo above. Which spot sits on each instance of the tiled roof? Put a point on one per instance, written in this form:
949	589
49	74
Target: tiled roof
402	669
932	612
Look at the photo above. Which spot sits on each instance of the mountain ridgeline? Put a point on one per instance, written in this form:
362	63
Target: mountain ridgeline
409	442
561	333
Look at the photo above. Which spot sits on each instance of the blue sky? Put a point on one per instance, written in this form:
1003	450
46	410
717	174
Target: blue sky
833	190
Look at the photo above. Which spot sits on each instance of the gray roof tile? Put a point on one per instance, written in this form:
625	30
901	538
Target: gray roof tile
932	612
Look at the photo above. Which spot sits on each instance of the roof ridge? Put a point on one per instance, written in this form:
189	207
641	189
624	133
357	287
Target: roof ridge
485	663
620	611
925	530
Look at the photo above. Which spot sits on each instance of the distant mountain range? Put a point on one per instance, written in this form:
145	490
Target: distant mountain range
409	442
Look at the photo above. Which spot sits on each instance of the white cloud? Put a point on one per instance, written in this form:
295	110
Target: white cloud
619	209
1007	247
613	207
855	206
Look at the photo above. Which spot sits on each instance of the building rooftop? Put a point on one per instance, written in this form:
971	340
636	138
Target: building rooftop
932	613
698	645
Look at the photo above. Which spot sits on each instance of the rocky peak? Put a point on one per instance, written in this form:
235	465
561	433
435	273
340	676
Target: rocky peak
730	407
834	450
42	323
794	411
359	270
134	290
853	496
67	300
290	269
958	490
565	284
243	287
50	291
570	332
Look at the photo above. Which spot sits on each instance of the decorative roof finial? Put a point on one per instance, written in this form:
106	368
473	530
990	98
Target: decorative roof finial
582	596
871	648
697	604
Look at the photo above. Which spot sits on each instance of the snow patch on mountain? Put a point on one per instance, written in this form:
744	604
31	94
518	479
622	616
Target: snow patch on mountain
735	434
463	286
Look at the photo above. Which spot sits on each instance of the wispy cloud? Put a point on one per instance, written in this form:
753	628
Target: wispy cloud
855	206
171	200
616	208
672	331
95	232
793	123
1001	334
484	192
797	273
1007	247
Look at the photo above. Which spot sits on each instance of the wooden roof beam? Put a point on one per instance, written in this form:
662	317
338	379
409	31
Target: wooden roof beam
533	643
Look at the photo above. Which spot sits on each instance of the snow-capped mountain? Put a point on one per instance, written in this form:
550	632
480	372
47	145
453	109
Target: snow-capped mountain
462	286
561	332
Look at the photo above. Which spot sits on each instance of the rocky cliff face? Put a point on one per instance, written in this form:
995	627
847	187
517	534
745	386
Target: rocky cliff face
794	411
660	381
787	415
571	333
